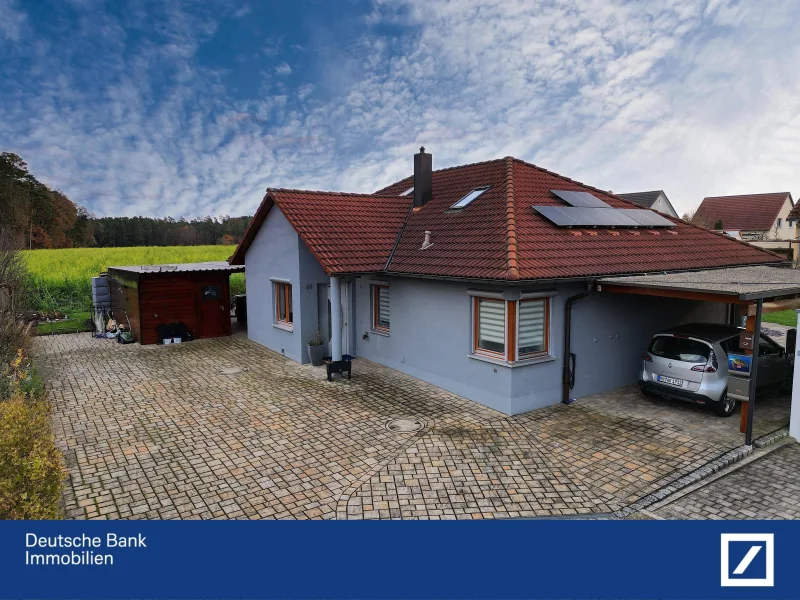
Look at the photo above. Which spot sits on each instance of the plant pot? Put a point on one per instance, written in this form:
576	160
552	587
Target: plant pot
315	354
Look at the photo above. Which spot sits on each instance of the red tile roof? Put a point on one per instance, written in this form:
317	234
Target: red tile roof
750	212
498	236
347	233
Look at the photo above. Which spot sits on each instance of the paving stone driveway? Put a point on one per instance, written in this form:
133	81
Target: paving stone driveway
767	488
164	432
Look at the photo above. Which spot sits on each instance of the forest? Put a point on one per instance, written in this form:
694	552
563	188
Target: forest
38	216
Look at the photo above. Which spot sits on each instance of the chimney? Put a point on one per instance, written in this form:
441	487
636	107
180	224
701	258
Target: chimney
423	178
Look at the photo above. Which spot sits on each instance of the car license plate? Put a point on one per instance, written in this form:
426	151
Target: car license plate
670	380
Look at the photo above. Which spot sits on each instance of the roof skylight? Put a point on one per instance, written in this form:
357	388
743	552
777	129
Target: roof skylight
408	191
469	198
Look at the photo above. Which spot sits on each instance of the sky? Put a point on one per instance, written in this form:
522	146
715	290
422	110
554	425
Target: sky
194	107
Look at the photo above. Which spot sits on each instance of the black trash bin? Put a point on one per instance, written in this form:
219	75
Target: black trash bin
240	307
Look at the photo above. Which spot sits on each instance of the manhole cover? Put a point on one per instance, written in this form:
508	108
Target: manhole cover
404	425
231	370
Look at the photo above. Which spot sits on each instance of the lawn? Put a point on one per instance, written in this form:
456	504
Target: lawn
783	317
62	279
76	321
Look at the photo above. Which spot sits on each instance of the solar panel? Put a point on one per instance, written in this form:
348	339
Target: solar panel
557	215
577	216
646	218
612	217
580	199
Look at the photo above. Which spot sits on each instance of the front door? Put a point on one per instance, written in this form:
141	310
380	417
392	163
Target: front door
215	319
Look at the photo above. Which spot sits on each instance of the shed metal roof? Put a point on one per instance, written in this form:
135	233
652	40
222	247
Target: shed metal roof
181	268
744	283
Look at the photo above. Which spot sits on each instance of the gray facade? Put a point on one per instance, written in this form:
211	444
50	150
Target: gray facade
431	328
431	339
278	254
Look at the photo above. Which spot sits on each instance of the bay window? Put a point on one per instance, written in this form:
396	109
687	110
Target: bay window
510	330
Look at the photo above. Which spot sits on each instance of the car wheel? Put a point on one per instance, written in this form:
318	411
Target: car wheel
647	393
726	406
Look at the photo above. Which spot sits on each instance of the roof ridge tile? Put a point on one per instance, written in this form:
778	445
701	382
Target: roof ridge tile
512	267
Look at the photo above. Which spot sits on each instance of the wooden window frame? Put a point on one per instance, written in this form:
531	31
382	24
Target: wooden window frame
285	290
475	327
546	351
376	326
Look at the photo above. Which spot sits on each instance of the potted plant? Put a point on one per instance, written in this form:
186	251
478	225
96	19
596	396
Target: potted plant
316	348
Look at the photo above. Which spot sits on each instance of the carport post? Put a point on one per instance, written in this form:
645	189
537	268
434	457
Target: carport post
794	419
748	438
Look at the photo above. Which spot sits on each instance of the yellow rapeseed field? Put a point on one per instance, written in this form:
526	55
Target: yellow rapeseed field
62	279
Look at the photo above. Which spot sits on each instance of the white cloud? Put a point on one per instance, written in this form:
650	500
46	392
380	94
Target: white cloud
697	98
11	21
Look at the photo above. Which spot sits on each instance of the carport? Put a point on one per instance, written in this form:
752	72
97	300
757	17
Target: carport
745	289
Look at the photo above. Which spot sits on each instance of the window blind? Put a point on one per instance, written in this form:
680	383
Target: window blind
491	325
383	307
532	322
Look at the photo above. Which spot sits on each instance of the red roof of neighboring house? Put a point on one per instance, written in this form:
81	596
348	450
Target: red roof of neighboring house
750	212
498	236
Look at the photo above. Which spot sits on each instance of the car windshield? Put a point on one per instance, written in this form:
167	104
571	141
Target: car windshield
683	349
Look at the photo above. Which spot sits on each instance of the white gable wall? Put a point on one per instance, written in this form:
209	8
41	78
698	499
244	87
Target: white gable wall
274	253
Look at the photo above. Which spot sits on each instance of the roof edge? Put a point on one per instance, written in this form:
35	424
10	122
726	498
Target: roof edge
252	229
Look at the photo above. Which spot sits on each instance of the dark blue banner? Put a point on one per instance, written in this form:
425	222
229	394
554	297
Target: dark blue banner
489	559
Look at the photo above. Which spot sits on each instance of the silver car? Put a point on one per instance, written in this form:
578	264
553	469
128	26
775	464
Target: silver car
690	362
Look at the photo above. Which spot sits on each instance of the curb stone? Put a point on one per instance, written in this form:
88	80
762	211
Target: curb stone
771	438
707	470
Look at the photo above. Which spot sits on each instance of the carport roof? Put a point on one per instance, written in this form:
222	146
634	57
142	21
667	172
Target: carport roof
741	283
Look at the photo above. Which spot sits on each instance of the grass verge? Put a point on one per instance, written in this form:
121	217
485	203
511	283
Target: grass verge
783	317
77	321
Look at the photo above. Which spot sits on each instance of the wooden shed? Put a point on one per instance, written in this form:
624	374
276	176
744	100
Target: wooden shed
195	294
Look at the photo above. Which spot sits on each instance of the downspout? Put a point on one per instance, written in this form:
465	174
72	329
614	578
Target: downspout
568	370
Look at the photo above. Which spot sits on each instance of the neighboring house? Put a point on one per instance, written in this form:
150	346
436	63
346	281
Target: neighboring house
655	200
760	219
468	278
794	223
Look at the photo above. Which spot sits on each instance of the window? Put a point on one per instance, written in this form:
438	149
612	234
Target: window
511	330
490	327
212	292
380	308
533	330
680	348
408	191
467	200
283	304
780	222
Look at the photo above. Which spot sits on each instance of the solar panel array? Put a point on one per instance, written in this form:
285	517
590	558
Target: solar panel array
587	211
580	199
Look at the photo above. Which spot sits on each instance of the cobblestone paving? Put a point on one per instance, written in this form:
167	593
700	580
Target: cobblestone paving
767	488
162	432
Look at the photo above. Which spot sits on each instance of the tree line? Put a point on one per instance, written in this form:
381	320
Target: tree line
41	217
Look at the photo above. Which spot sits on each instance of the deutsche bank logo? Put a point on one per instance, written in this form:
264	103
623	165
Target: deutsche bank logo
748	559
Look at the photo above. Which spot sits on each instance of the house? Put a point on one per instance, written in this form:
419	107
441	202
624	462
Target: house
654	200
480	279
794	224
761	219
